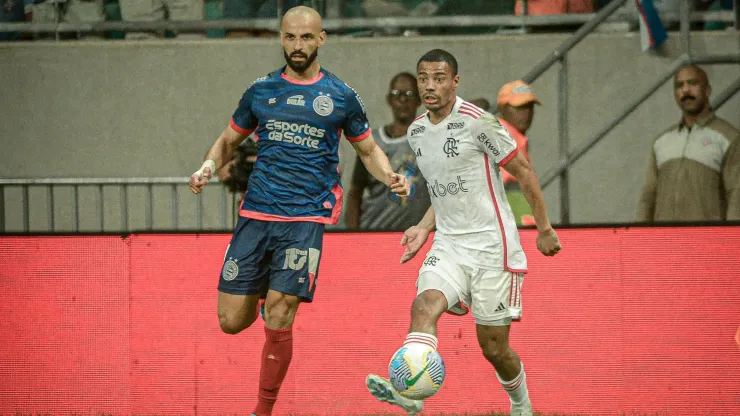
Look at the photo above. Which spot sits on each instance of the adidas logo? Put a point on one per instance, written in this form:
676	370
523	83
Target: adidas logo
501	307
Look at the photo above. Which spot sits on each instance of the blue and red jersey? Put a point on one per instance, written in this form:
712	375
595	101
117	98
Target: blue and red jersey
298	125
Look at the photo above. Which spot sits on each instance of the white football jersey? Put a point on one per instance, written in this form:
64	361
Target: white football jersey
460	158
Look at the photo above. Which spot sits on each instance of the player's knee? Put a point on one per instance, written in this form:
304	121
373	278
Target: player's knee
428	306
230	323
496	353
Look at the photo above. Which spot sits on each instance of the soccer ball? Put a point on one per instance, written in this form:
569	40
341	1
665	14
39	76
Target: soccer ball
416	371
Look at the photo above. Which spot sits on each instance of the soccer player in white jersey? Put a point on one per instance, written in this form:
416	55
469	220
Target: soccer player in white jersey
476	258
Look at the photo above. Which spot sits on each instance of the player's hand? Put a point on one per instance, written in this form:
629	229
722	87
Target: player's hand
198	181
548	243
400	185
414	238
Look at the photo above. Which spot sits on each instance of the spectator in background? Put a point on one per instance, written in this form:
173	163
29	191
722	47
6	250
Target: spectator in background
540	7
516	111
370	204
12	11
694	168
256	9
70	11
158	10
481	102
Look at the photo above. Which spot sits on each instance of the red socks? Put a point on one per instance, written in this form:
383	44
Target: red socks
276	356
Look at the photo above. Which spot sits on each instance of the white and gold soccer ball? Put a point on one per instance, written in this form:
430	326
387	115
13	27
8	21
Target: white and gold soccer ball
416	371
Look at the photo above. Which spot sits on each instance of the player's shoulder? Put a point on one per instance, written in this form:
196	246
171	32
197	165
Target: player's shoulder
418	126
265	80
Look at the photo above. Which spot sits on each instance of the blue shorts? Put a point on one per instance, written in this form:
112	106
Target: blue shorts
281	256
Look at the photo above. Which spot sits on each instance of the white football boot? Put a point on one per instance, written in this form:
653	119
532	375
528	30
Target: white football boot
522	409
382	389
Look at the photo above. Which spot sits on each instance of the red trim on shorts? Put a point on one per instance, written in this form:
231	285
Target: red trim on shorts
511	290
302	82
239	129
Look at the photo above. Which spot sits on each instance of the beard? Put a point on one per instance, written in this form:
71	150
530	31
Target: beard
692	105
300	67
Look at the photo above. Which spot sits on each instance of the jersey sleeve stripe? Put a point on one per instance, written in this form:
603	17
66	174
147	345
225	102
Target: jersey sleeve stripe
361	137
471	108
509	157
239	129
467	113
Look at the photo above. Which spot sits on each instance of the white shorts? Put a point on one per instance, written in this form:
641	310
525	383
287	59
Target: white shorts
494	295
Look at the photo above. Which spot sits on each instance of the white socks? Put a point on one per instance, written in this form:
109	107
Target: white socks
421	338
516	388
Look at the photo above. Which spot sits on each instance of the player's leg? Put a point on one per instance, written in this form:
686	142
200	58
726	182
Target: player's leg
244	276
442	284
496	302
296	252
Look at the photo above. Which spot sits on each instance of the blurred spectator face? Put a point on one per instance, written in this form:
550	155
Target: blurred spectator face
301	36
519	117
403	98
691	90
437	84
481	102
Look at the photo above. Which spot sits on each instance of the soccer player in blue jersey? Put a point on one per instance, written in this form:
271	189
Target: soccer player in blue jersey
297	113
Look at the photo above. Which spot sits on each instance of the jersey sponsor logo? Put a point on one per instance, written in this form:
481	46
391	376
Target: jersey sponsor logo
323	105
450	147
439	190
296	100
487	143
455	126
295	259
417	130
272	101
301	134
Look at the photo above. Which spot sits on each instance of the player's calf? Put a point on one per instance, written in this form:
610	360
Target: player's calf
494	343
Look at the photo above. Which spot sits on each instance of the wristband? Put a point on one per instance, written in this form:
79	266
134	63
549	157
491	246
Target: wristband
207	164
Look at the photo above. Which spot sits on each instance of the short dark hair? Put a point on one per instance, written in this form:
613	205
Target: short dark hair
440	55
400	75
241	168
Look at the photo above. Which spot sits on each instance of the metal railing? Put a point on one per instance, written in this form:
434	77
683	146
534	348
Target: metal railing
155	190
228	214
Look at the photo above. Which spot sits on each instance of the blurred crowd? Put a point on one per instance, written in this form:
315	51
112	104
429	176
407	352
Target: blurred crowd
94	11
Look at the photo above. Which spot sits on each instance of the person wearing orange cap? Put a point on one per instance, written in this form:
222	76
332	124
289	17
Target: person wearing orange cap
516	110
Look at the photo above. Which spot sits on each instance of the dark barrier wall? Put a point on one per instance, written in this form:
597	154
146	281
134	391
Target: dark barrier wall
622	321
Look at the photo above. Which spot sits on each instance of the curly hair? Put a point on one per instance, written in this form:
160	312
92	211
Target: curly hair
240	168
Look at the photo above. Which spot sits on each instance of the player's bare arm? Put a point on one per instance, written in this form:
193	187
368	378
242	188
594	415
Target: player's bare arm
377	163
547	239
222	151
415	237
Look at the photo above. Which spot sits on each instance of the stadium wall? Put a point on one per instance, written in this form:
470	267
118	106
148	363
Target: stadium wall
621	322
89	109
